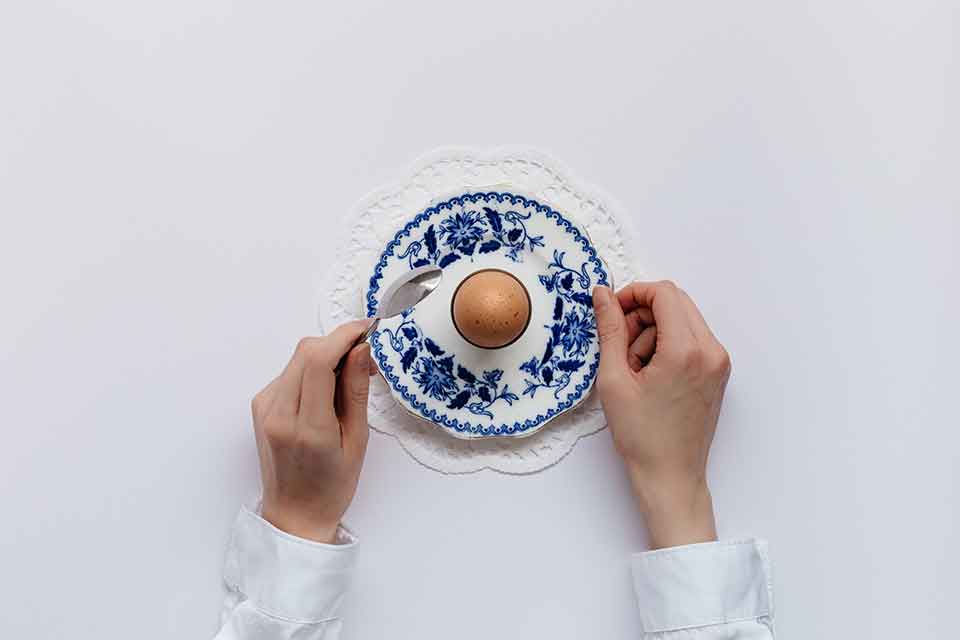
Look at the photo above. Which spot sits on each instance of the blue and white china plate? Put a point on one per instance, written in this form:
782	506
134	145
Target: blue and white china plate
481	393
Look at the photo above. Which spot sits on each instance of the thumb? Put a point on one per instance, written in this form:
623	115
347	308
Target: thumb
612	331
355	389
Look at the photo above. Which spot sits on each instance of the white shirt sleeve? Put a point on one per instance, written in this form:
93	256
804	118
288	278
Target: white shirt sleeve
283	587
710	591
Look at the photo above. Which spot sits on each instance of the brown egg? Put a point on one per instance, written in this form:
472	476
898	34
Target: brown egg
491	309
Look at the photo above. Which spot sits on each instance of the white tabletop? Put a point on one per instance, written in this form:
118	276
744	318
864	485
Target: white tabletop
170	177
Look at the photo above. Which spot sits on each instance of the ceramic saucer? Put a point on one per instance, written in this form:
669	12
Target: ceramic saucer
472	392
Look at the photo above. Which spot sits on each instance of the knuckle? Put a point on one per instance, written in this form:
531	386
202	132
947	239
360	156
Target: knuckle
668	285
722	365
258	406
308	344
318	439
306	440
310	349
276	430
691	357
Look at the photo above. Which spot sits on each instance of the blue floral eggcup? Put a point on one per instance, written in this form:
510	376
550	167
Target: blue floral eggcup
472	392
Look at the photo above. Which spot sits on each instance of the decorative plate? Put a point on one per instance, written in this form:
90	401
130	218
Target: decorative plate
471	392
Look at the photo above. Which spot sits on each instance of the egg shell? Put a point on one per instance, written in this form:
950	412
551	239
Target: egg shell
491	309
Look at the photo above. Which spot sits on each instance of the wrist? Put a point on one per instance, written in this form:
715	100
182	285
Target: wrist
298	526
677	510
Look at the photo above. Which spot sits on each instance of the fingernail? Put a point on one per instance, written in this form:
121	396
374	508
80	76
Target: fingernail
601	297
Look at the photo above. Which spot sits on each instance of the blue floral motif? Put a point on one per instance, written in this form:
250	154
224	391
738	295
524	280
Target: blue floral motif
462	231
466	233
514	235
571	333
438	376
564	278
434	379
429	241
487	388
578	332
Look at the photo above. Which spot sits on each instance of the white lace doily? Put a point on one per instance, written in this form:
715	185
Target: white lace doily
375	221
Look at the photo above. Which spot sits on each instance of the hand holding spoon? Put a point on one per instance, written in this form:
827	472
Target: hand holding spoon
404	293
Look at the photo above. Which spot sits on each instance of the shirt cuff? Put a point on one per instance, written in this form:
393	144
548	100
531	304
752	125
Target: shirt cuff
703	584
285	576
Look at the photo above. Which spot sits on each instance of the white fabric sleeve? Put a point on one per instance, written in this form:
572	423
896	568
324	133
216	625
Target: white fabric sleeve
705	591
283	587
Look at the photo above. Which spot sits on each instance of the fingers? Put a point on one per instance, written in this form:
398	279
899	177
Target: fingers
670	314
263	401
663	299
641	350
338	342
321	356
682	336
612	330
353	392
637	321
319	385
286	388
715	357
698	326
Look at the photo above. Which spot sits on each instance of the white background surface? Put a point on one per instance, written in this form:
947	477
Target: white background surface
170	178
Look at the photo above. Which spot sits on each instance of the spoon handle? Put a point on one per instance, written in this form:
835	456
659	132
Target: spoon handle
363	338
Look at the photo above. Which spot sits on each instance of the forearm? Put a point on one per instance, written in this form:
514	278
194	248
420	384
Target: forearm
280	586
690	587
677	510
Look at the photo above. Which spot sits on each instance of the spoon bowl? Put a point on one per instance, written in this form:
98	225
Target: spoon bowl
404	293
410	289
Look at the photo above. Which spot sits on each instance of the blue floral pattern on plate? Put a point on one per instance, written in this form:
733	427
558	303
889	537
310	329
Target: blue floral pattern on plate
461	234
440	378
434	373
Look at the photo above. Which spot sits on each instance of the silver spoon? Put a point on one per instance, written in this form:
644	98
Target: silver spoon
405	292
